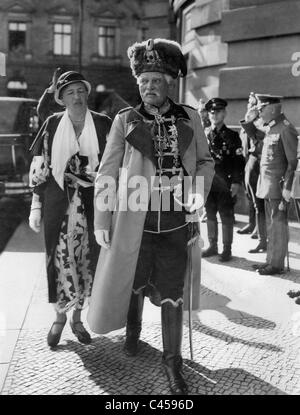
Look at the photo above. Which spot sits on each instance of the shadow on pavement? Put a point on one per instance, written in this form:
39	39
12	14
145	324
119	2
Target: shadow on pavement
230	381
228	338
212	300
116	374
246	265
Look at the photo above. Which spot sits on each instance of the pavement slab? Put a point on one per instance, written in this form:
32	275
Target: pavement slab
246	339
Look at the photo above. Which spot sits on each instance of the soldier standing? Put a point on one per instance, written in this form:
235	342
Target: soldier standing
226	149
277	166
255	138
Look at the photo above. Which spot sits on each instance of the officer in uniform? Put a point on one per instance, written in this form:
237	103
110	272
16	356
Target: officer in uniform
226	149
277	166
255	138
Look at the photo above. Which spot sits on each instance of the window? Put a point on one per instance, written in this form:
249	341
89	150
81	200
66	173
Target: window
186	23
16	36
62	39
107	41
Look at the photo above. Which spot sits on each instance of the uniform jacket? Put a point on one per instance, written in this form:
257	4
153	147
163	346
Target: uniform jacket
278	160
130	146
252	151
55	201
226	149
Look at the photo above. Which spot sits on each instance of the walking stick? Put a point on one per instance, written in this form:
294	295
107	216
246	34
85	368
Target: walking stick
194	234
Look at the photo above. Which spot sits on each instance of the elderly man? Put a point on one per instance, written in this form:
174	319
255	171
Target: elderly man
277	167
161	146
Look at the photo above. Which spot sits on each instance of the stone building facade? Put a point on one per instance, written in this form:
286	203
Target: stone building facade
234	47
87	35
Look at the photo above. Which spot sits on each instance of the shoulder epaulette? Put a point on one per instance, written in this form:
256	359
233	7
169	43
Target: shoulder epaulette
125	109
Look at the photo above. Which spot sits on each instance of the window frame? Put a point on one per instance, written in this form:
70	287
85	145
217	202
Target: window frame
18	23
63	34
106	37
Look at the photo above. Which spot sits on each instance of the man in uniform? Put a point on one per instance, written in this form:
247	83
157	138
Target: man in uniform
226	149
255	138
277	167
145	249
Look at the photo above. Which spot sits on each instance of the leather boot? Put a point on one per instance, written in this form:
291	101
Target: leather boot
212	232
171	322
227	234
134	324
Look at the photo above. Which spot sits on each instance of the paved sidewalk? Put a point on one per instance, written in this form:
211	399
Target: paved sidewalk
246	335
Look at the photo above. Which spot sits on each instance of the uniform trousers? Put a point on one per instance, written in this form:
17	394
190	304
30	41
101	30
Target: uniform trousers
220	200
162	257
277	232
251	178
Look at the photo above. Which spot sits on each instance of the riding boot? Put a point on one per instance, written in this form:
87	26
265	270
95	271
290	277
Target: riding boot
171	321
212	232
227	235
134	324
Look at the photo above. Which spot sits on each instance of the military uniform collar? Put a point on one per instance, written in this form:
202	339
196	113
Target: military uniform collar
139	113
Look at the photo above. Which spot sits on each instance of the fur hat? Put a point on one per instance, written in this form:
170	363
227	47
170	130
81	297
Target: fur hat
157	55
66	79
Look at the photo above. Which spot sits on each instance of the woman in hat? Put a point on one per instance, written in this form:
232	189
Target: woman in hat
67	152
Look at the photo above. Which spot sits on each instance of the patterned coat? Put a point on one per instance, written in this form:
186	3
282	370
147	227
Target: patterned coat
55	201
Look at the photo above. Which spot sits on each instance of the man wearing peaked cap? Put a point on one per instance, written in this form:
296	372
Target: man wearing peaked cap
215	104
277	167
146	250
252	138
226	149
267	99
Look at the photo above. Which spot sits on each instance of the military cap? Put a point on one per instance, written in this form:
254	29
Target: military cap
267	99
215	104
157	55
66	79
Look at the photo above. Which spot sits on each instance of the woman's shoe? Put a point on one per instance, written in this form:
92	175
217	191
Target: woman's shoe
54	338
80	332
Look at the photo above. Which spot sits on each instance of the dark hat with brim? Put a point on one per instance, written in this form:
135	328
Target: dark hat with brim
157	55
67	78
215	104
267	99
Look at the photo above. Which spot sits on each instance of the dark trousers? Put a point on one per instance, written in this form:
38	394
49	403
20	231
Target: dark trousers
222	202
277	231
162	263
251	178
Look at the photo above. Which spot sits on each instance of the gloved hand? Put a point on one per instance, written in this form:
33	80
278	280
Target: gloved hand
56	75
234	189
102	238
35	219
194	203
286	195
251	114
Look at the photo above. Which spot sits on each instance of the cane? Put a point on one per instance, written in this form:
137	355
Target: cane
194	234
284	205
